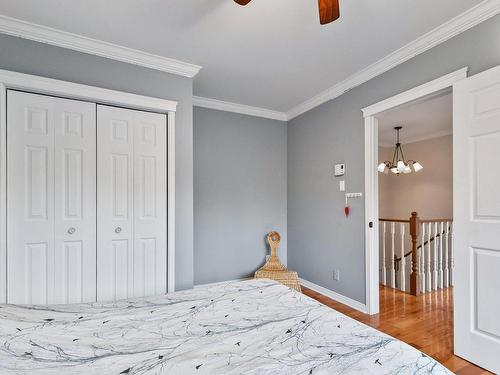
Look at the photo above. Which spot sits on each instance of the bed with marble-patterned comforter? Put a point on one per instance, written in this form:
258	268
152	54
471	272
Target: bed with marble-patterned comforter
250	327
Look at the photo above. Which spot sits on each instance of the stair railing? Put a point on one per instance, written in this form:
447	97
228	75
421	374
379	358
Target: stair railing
428	265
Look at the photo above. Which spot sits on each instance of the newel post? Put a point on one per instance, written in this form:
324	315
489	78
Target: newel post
414	276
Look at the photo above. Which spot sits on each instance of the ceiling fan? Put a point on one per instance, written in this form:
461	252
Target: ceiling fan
329	10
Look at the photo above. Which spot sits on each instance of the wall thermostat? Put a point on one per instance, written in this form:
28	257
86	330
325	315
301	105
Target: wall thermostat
339	170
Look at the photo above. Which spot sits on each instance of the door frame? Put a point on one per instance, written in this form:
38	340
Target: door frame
41	85
370	114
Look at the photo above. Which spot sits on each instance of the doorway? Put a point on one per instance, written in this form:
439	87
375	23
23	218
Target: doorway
416	194
372	114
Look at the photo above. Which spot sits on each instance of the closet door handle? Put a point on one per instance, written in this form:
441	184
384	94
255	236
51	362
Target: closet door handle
71	230
118	230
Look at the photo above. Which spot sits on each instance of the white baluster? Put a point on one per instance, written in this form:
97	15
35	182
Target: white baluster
435	268
446	255
402	264
384	263
452	256
422	259
393	270
441	264
429	274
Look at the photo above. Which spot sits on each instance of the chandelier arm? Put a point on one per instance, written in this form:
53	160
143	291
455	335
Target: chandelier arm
394	156
402	155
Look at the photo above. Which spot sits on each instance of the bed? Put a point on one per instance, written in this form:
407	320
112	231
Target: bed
246	327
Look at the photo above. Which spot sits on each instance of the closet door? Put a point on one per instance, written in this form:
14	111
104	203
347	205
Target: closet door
131	236
150	204
51	246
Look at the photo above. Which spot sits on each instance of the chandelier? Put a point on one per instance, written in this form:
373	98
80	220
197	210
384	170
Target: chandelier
399	164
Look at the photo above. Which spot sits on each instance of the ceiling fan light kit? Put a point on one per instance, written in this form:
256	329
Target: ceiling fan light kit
329	10
399	165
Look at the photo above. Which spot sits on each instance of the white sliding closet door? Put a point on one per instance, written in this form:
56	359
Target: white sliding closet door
132	224
51	195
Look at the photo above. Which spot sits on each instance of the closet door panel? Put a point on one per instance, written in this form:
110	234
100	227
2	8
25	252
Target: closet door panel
150	166
75	203
38	271
30	214
115	223
132	247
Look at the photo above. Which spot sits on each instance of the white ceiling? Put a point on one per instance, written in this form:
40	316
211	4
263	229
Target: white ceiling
424	119
271	54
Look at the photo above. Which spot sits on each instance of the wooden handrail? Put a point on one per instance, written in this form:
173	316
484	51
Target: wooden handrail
395	220
421	221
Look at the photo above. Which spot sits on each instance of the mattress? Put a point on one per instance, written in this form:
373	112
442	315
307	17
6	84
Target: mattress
249	327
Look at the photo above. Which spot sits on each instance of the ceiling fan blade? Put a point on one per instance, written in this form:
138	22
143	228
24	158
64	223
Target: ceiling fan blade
329	11
242	2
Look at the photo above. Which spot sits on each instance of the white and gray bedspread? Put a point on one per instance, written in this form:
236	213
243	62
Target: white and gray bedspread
250	327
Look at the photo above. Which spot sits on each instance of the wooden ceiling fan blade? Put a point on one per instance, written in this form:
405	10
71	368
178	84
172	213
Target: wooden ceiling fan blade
329	11
242	2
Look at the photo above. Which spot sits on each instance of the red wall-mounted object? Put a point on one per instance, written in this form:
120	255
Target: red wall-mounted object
347	210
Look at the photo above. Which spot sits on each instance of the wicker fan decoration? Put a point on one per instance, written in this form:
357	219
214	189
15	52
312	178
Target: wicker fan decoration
274	269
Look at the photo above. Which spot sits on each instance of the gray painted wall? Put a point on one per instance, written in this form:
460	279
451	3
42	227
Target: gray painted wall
319	237
44	60
239	192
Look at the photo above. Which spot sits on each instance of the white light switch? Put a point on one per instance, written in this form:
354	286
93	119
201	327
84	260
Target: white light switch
342	185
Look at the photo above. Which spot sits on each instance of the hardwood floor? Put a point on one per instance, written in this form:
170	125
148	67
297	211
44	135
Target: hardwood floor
424	322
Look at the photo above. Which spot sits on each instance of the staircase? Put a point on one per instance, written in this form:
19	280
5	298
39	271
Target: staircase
416	256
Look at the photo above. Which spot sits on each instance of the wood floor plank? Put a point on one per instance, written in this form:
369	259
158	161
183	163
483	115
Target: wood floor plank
424	322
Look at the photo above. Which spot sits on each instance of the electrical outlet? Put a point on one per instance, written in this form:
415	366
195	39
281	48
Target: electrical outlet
336	275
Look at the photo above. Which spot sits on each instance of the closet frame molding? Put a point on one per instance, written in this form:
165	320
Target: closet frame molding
40	85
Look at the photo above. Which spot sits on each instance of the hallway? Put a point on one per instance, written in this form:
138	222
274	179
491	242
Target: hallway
425	322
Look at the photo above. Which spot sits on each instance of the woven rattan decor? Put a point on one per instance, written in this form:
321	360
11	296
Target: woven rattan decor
274	269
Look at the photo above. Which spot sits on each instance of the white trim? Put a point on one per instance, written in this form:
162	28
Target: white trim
238	108
171	202
421	138
371	216
468	19
18	81
430	88
3	193
49	86
371	174
335	296
222	282
59	38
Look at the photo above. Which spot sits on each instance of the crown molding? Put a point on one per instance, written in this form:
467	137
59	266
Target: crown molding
426	137
238	108
59	38
470	18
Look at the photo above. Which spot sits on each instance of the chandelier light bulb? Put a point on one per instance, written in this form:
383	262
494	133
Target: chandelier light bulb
381	167
417	166
407	169
401	166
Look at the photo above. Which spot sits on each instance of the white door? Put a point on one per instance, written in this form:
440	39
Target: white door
131	235
476	146
51	195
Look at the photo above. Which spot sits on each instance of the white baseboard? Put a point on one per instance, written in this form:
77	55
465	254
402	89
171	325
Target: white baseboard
335	296
221	282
